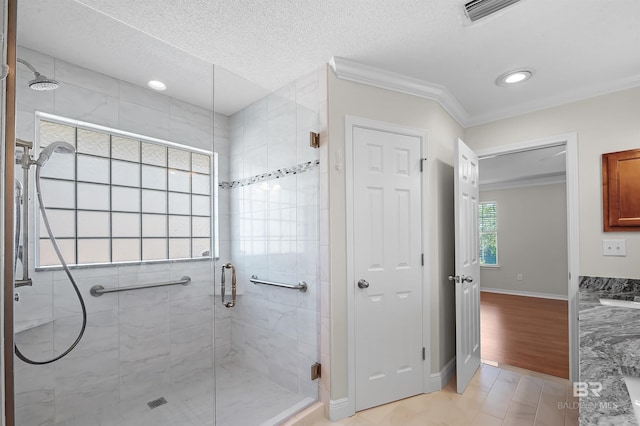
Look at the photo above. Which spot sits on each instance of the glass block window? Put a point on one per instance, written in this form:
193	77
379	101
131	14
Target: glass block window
123	197
488	227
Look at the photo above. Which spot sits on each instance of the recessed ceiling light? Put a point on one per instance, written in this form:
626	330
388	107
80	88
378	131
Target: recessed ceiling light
157	85
513	77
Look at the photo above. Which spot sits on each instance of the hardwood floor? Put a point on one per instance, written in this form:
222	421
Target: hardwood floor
525	332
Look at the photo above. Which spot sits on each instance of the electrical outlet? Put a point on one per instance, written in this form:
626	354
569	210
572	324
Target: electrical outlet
614	248
519	277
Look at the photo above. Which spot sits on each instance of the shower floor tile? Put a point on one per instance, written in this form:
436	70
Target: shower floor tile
244	398
247	398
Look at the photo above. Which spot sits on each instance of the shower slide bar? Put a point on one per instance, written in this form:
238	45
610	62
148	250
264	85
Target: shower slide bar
302	286
98	290
23	250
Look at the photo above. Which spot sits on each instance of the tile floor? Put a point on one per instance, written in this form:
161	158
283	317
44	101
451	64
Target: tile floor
495	396
244	398
189	406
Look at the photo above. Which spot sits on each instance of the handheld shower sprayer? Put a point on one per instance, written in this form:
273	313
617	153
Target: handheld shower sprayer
59	146
27	162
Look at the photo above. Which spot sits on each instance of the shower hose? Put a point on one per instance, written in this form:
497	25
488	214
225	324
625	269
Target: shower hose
45	220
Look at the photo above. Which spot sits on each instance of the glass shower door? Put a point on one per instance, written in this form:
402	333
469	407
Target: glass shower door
267	342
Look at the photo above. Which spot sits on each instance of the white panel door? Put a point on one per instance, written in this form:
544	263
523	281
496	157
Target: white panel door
467	278
387	264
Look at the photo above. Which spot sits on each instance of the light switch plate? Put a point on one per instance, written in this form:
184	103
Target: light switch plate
614	248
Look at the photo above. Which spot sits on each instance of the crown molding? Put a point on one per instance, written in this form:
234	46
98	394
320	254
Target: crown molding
559	100
372	76
524	183
360	73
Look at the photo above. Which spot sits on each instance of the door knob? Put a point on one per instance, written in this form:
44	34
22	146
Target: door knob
460	279
363	284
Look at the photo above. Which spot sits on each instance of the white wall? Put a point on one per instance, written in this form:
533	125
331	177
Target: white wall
348	98
604	124
532	240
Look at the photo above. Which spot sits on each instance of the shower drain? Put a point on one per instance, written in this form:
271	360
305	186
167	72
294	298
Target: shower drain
156	403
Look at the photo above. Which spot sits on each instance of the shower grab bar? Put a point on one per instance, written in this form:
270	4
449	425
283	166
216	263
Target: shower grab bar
302	286
98	290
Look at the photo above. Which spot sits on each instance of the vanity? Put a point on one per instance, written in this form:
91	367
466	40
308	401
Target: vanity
609	350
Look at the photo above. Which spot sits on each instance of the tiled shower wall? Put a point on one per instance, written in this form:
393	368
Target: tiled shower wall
137	344
275	235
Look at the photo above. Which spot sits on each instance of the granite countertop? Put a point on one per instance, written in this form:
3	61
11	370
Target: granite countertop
609	346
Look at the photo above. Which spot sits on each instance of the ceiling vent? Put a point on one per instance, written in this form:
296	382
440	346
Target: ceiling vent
478	9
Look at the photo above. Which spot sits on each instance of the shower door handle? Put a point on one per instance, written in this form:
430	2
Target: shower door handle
232	302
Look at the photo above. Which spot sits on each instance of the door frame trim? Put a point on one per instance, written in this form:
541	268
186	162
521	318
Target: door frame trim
351	122
7	145
573	229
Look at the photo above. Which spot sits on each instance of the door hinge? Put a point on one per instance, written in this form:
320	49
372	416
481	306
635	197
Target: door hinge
569	275
316	371
314	140
424	354
422	160
422	259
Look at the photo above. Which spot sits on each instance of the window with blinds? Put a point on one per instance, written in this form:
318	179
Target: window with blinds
123	198
488	227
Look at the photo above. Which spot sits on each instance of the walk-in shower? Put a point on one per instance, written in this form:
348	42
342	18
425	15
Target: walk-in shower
188	223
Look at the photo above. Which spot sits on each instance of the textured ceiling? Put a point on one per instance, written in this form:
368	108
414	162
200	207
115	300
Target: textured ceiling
579	48
70	31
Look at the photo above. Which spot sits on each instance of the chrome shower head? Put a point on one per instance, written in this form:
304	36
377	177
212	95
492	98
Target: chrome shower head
40	82
59	146
43	83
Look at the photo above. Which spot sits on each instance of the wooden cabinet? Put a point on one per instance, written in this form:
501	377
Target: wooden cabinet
621	191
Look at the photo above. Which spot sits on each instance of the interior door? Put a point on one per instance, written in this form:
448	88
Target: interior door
467	263
387	263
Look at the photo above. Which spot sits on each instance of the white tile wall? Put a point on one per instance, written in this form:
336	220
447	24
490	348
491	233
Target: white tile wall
87	105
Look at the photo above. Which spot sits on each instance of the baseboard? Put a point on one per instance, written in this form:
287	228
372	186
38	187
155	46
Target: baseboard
439	380
339	409
524	293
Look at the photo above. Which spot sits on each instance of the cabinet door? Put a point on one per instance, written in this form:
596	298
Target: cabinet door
621	190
